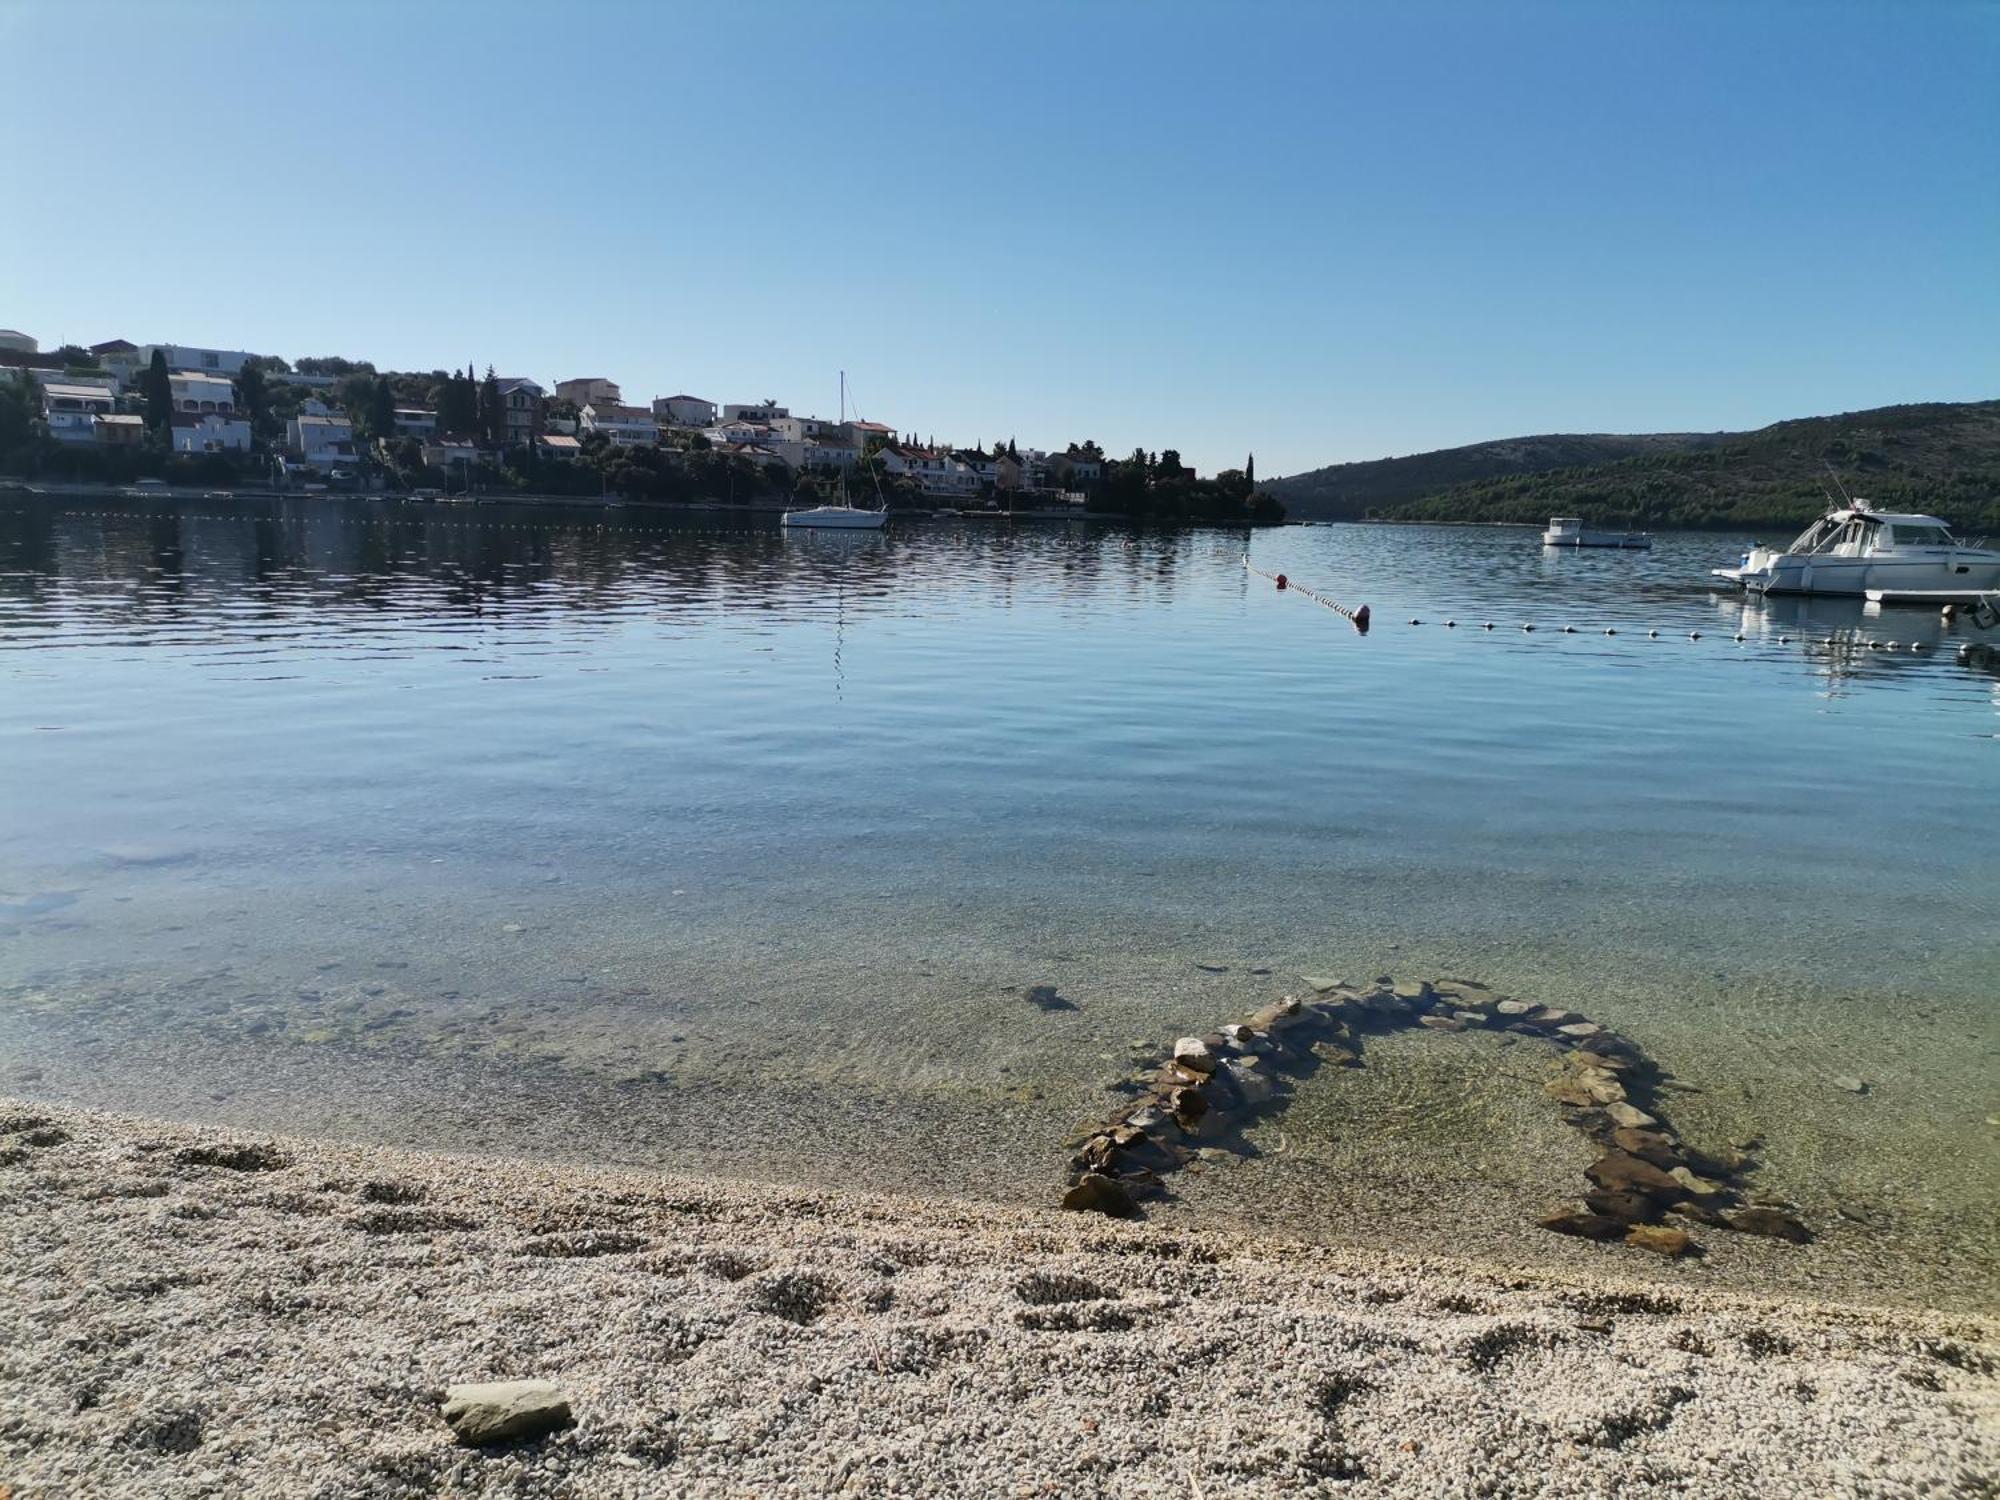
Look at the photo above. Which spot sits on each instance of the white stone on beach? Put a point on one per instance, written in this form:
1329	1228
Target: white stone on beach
498	1411
1192	1053
1629	1115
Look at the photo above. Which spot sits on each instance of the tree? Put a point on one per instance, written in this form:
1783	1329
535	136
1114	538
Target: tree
1250	471
457	405
492	423
20	405
158	389
381	410
255	398
333	364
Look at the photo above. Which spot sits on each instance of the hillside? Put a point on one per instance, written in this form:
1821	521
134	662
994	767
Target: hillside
1940	457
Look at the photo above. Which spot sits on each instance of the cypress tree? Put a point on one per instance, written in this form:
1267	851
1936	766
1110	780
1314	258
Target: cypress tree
158	390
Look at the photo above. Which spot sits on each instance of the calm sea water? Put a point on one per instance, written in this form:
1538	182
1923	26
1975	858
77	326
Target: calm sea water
618	836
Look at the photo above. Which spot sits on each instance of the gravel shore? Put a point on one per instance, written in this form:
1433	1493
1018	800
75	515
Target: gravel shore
186	1312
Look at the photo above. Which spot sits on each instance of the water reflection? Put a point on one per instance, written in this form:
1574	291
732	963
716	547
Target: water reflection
736	840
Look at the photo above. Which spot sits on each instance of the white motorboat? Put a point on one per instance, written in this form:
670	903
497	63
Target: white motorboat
843	516
840	517
1569	531
1855	550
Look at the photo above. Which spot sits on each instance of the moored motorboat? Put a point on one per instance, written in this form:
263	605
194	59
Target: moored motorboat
1569	531
1856	550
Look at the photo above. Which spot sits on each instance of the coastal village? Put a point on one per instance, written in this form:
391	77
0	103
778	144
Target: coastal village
330	425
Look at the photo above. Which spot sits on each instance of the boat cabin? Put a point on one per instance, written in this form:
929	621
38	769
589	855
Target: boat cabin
1860	533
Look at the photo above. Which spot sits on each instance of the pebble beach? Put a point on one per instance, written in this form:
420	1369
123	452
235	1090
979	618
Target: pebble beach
189	1312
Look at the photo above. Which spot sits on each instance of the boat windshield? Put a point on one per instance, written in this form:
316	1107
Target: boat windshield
1819	536
1903	534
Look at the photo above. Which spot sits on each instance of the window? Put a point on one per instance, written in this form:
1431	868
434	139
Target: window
211	361
1921	536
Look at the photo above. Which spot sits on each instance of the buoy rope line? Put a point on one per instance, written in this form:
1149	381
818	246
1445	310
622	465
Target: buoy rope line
1358	617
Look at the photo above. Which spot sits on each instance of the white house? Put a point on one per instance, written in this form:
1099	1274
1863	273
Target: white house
814	454
122	429
324	441
730	434
589	390
984	470
559	446
188	357
627	426
71	409
766	412
446	453
683	411
199	393
413	421
210	432
935	471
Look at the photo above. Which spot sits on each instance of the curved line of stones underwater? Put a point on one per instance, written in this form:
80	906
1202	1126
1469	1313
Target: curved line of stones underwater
1605	1085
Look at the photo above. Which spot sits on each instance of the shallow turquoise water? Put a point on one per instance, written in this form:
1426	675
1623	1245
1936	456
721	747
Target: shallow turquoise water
735	842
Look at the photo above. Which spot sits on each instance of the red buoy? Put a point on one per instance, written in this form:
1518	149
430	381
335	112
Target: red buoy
1281	580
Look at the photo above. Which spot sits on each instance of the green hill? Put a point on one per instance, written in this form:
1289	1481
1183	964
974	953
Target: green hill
1941	457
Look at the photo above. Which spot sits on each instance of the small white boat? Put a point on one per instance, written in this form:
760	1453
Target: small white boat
842	517
1569	531
838	517
1854	550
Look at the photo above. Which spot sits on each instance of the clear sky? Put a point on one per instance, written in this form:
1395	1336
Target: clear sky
1317	231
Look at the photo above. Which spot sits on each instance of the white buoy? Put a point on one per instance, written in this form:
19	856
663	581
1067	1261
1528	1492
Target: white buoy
1569	630
1527	627
1451	624
1739	635
1415	621
1652	635
1488	625
1608	630
1784	640
1694	635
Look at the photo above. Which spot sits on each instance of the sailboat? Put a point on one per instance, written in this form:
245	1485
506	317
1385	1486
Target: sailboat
844	516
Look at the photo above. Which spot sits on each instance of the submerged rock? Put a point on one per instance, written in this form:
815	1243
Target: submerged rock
1621	1171
1252	1082
1586	1226
1096	1193
1629	1115
1771	1223
502	1411
1697	1187
1046	997
1659	1239
1648	1145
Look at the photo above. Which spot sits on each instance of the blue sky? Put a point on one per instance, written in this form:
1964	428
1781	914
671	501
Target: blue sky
1322	232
